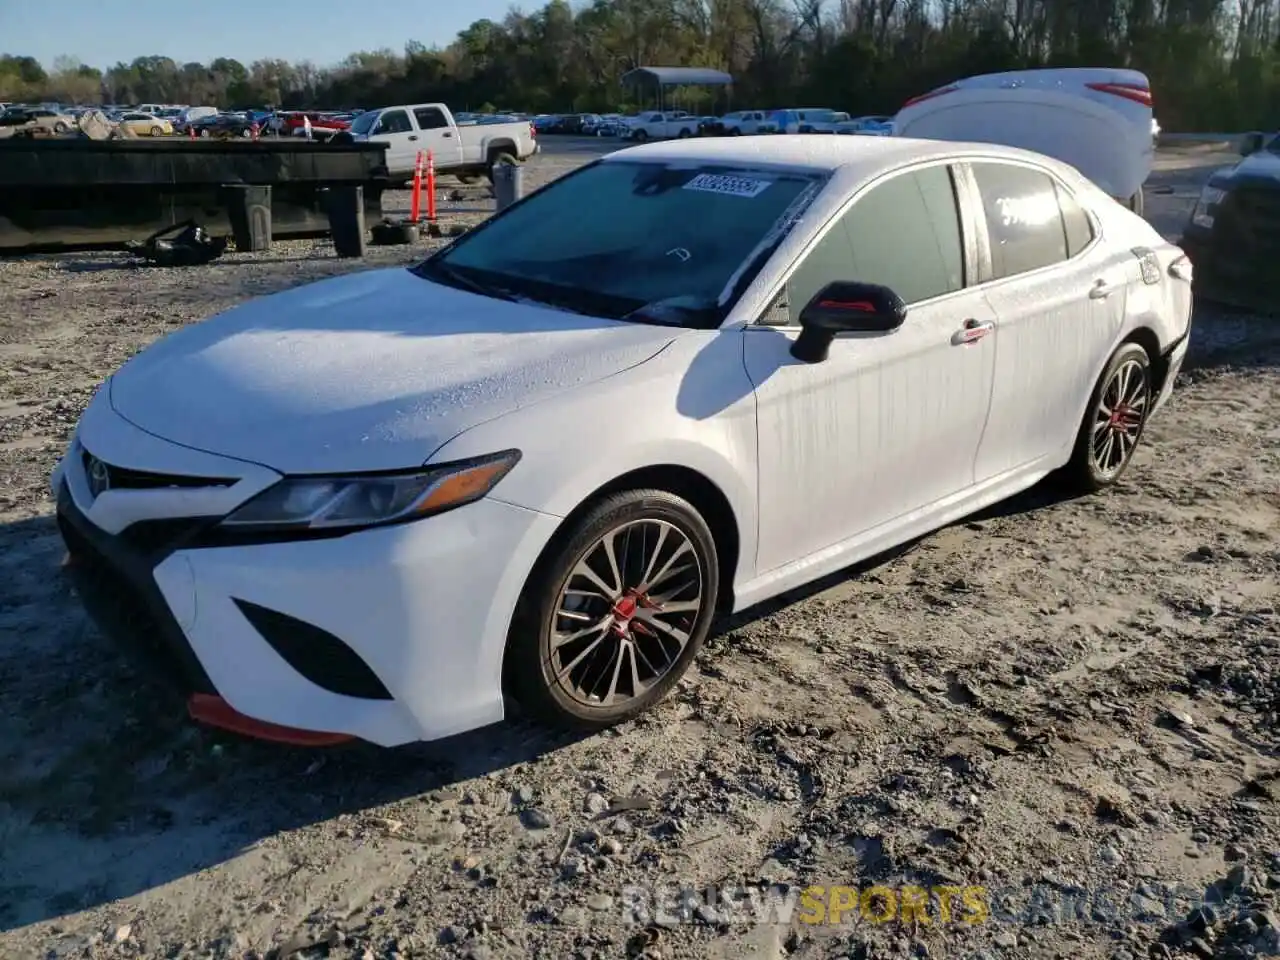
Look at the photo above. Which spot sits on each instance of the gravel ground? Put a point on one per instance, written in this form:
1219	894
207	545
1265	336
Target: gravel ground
1066	707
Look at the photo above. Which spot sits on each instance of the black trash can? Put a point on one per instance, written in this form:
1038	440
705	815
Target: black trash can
345	206
249	209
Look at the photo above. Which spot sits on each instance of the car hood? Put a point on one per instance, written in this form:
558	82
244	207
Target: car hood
1261	167
373	371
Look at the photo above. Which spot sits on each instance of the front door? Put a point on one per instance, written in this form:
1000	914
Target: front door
439	136
1060	300
396	130
890	423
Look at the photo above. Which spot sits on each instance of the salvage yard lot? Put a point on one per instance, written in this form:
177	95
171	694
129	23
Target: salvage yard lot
1077	693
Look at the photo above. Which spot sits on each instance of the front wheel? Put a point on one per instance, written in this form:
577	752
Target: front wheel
60	127
157	132
640	136
615	614
1115	420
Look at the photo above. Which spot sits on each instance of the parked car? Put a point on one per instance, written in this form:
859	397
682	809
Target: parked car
189	115
145	125
663	125
323	125
37	119
742	122
1097	119
791	121
457	149
871	126
818	121
352	509
1233	233
223	125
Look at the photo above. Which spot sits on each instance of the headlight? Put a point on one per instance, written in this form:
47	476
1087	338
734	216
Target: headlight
325	503
1202	215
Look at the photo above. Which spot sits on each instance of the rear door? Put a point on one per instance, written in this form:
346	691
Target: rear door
438	135
396	130
1059	299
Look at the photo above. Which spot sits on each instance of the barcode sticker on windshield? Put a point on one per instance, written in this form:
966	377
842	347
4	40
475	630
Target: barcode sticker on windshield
733	186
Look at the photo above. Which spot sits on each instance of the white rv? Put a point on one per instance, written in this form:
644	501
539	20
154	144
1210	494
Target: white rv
1096	119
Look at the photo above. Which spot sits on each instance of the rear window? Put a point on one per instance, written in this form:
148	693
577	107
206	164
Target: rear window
1024	220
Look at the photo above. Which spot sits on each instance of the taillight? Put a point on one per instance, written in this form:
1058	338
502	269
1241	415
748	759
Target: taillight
930	95
1181	268
1130	91
533	131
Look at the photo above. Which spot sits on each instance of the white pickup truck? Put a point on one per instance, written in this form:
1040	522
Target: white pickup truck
466	150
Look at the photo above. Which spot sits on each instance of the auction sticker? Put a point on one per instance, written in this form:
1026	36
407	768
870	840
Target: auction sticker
732	186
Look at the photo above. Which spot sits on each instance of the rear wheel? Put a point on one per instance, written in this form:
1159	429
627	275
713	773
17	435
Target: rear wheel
1115	420
639	136
684	133
614	616
157	132
60	127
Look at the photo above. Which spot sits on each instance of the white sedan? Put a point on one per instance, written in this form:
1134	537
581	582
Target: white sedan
533	467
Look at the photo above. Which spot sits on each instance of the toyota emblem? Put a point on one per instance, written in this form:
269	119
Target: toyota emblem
99	477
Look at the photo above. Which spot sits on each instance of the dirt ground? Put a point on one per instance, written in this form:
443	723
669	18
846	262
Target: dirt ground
1064	712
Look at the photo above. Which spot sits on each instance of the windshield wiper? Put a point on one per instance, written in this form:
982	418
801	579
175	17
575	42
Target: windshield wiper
457	278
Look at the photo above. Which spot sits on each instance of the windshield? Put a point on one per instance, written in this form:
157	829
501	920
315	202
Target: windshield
363	123
647	241
1274	145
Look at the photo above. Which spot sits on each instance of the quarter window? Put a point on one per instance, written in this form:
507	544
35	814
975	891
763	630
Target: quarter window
903	234
1075	221
1024	219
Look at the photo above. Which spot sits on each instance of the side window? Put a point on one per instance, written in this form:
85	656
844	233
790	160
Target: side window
430	118
1023	218
904	234
1077	223
394	121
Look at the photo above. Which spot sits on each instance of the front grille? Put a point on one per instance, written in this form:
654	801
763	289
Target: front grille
121	612
158	537
124	478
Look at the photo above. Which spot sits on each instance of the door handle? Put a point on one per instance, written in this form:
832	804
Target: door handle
447	133
972	331
1100	290
413	136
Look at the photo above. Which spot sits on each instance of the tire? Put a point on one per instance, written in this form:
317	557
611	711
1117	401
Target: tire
640	136
205	133
684	133
1095	465
246	133
735	132
60	127
502	156
157	132
1136	202
656	527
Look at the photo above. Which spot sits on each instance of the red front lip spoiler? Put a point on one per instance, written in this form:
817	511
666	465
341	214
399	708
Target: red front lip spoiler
216	712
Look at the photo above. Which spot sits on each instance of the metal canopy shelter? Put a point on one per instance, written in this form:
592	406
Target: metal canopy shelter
678	77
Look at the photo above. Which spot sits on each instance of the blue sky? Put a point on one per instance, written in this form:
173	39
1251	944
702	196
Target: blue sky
102	32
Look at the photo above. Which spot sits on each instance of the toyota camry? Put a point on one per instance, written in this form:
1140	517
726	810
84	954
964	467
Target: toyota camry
532	468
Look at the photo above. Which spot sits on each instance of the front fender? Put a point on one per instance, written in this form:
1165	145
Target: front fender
577	443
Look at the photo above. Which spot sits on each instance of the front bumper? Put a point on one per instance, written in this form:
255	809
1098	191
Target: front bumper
390	635
1234	260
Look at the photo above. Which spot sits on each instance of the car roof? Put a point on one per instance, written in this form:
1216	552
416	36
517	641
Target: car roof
857	157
